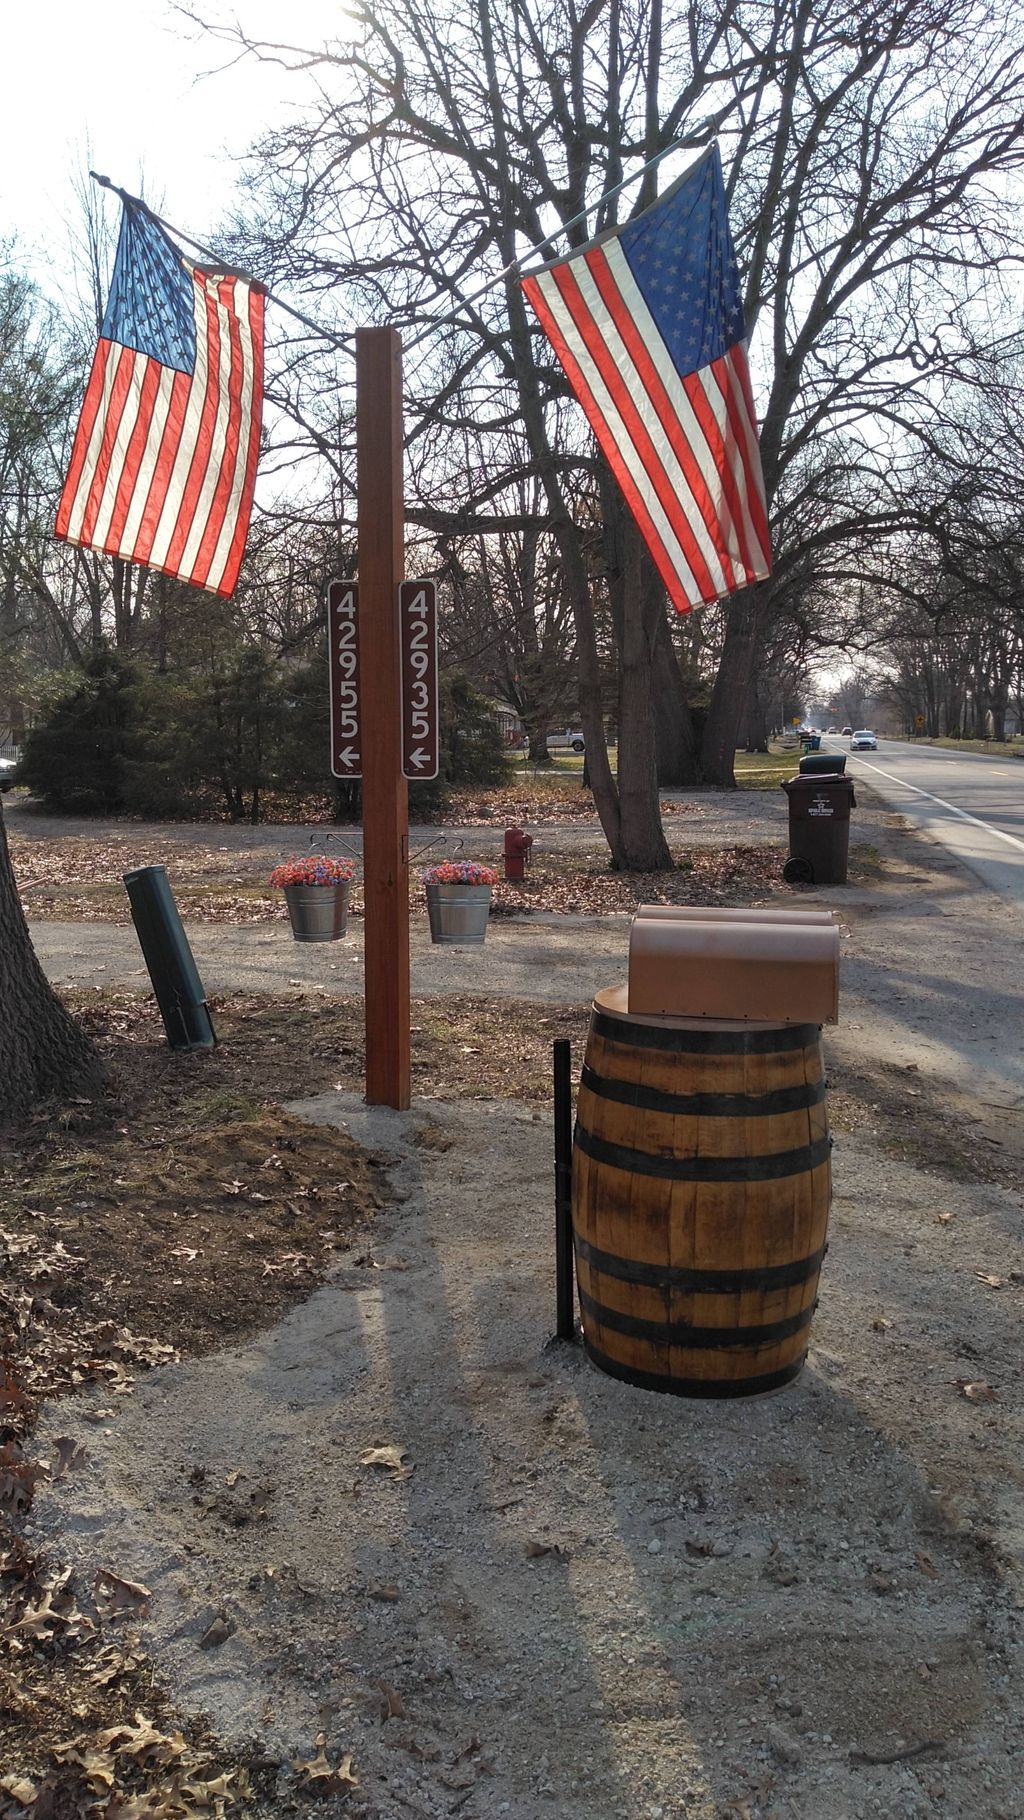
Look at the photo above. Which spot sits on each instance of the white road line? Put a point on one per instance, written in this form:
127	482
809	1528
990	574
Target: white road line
1010	839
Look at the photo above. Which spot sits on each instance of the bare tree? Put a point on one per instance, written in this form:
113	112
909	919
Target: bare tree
868	152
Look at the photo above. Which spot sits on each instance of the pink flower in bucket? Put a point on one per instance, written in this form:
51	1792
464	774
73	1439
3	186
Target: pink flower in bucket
459	872
313	869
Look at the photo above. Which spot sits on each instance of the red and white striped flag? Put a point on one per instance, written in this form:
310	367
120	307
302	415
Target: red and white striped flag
164	459
647	321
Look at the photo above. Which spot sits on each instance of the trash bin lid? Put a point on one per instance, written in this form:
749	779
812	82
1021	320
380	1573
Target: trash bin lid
820	764
820	780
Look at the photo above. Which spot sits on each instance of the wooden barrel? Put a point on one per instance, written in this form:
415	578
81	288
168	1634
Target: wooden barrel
700	1196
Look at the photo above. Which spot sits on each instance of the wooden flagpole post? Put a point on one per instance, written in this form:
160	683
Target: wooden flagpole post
381	537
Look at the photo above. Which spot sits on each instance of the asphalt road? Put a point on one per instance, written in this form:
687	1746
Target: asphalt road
973	804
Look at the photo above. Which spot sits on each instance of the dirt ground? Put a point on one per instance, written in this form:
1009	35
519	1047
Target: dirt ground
398	1548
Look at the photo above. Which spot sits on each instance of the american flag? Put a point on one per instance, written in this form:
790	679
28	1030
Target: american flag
164	459
647	321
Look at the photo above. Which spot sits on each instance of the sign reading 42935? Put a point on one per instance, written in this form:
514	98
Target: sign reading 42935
417	618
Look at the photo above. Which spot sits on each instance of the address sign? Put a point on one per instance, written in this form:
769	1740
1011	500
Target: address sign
417	617
343	645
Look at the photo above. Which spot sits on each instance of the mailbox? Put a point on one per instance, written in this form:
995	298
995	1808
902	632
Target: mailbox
735	965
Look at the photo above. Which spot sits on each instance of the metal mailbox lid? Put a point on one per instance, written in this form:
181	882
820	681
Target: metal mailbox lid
771	972
687	913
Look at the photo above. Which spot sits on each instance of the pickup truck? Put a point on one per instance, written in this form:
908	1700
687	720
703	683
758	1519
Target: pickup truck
571	740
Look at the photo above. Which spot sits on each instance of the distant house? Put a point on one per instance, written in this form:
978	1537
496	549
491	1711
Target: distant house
510	725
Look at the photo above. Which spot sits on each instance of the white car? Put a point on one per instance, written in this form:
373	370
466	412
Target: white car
864	741
571	740
8	767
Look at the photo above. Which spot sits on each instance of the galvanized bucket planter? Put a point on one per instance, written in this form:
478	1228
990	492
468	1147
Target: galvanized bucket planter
458	913
319	913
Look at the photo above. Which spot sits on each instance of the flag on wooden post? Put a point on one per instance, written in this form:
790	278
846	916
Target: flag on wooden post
647	321
164	459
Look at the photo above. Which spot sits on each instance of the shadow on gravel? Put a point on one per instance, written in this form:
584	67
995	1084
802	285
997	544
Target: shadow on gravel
549	1591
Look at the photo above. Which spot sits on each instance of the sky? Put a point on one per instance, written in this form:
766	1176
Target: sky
131	82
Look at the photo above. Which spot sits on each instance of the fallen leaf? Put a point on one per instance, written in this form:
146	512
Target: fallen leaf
880	1324
390	1595
459	1778
36	1620
388	1459
393	1707
119	1598
993	1282
147	1744
927	1566
944	1218
69	1453
12	1396
97	1766
111	1663
18	1478
217	1632
976	1390
19	1787
326	1778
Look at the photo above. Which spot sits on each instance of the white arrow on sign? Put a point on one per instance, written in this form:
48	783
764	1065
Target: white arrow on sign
348	757
419	758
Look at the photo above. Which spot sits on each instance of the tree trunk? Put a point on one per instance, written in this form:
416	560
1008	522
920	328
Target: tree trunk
42	1050
757	719
643	844
673	723
744	628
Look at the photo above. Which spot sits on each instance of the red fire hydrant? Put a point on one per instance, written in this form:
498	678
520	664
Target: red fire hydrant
517	852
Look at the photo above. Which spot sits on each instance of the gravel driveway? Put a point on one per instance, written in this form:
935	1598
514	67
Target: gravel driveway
567	1596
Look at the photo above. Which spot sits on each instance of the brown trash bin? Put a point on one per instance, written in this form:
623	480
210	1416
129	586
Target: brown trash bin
819	828
701	1183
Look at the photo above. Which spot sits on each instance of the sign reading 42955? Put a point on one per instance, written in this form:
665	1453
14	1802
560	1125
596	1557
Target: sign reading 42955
343	648
417	618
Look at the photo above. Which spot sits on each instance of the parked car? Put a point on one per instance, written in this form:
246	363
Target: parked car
864	741
8	766
571	740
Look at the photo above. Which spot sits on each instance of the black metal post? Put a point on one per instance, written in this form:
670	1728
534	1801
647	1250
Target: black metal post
176	982
565	1325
